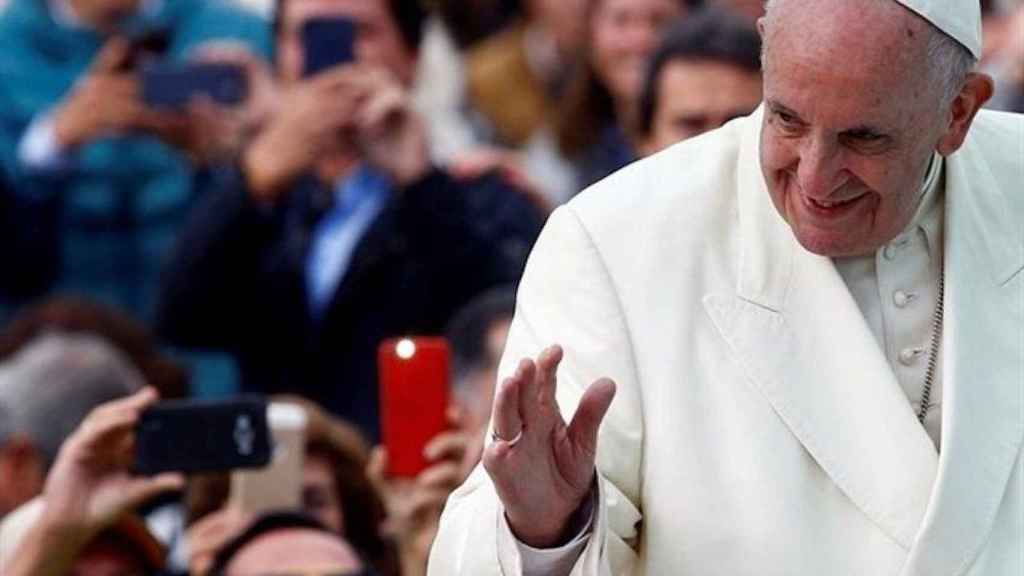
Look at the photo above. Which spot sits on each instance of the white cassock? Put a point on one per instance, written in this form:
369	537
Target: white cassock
759	427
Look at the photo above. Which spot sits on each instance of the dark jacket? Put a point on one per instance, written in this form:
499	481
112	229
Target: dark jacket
236	281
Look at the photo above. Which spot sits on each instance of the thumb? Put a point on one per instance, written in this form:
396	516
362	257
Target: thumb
112	56
145	489
376	468
591	411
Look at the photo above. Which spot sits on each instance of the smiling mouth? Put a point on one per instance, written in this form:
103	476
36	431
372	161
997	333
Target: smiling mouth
833	208
834	204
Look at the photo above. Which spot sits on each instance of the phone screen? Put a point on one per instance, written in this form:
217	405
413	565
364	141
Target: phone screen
414	381
327	42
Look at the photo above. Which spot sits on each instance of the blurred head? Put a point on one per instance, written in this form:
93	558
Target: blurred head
21	466
477	335
388	33
750	10
859	95
623	34
562	19
104	15
51	385
282	544
706	72
71	315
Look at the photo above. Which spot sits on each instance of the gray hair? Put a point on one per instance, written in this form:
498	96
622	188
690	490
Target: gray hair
950	62
53	383
6	425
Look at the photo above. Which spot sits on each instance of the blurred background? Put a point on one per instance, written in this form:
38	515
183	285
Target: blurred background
255	197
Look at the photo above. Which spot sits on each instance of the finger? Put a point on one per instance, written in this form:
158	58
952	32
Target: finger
439	476
506	421
528	405
547	368
456	416
591	411
223	52
143	490
447	445
376	467
426	501
112	56
116	415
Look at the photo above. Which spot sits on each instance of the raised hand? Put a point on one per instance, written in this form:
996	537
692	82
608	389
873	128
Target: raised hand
542	468
105	100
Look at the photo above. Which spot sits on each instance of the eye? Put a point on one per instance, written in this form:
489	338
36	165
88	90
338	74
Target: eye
787	122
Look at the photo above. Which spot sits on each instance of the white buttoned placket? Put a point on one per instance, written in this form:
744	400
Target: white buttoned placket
897	290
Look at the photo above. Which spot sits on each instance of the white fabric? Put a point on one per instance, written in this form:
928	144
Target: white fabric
38	149
896	290
15	526
960	19
758	427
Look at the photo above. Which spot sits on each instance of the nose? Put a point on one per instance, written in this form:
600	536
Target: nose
820	170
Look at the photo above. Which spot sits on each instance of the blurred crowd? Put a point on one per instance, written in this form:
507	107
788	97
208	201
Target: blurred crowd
285	236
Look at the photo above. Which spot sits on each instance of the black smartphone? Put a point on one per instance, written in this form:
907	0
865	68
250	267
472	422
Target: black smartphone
173	86
327	42
193	436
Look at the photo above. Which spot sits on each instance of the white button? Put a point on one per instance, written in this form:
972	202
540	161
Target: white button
909	356
901	299
892	249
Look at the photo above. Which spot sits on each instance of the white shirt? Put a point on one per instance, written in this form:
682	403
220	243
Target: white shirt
896	290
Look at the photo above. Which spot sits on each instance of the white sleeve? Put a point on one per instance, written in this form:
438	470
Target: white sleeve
566	297
39	149
558	561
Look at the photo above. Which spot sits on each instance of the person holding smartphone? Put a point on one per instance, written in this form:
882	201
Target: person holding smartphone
335	230
78	138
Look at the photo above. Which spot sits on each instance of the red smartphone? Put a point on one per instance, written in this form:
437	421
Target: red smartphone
414	381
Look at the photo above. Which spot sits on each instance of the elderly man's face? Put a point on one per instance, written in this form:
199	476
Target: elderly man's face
850	121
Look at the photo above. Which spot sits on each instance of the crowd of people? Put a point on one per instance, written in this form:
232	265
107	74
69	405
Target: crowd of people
284	237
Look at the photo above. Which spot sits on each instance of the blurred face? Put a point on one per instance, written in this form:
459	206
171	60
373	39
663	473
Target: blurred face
480	385
695	96
850	124
320	493
378	40
294	551
104	15
563	19
623	35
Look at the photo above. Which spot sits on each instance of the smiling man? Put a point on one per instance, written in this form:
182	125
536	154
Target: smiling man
794	345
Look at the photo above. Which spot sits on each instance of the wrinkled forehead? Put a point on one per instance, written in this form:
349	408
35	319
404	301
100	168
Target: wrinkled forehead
866	33
865	58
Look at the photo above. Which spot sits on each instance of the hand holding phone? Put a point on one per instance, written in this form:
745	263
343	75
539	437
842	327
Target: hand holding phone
414	384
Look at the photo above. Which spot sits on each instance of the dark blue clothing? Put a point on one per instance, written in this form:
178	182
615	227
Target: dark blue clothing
610	153
120	200
237	281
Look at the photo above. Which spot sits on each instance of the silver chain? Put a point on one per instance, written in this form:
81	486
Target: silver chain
933	356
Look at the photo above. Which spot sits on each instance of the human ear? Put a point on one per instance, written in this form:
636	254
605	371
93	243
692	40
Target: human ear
975	93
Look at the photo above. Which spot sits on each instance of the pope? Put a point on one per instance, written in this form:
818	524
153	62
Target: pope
791	346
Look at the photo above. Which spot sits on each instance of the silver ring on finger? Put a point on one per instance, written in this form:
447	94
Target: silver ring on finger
497	438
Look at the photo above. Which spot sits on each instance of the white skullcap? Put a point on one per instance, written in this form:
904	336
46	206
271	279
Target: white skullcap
960	19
